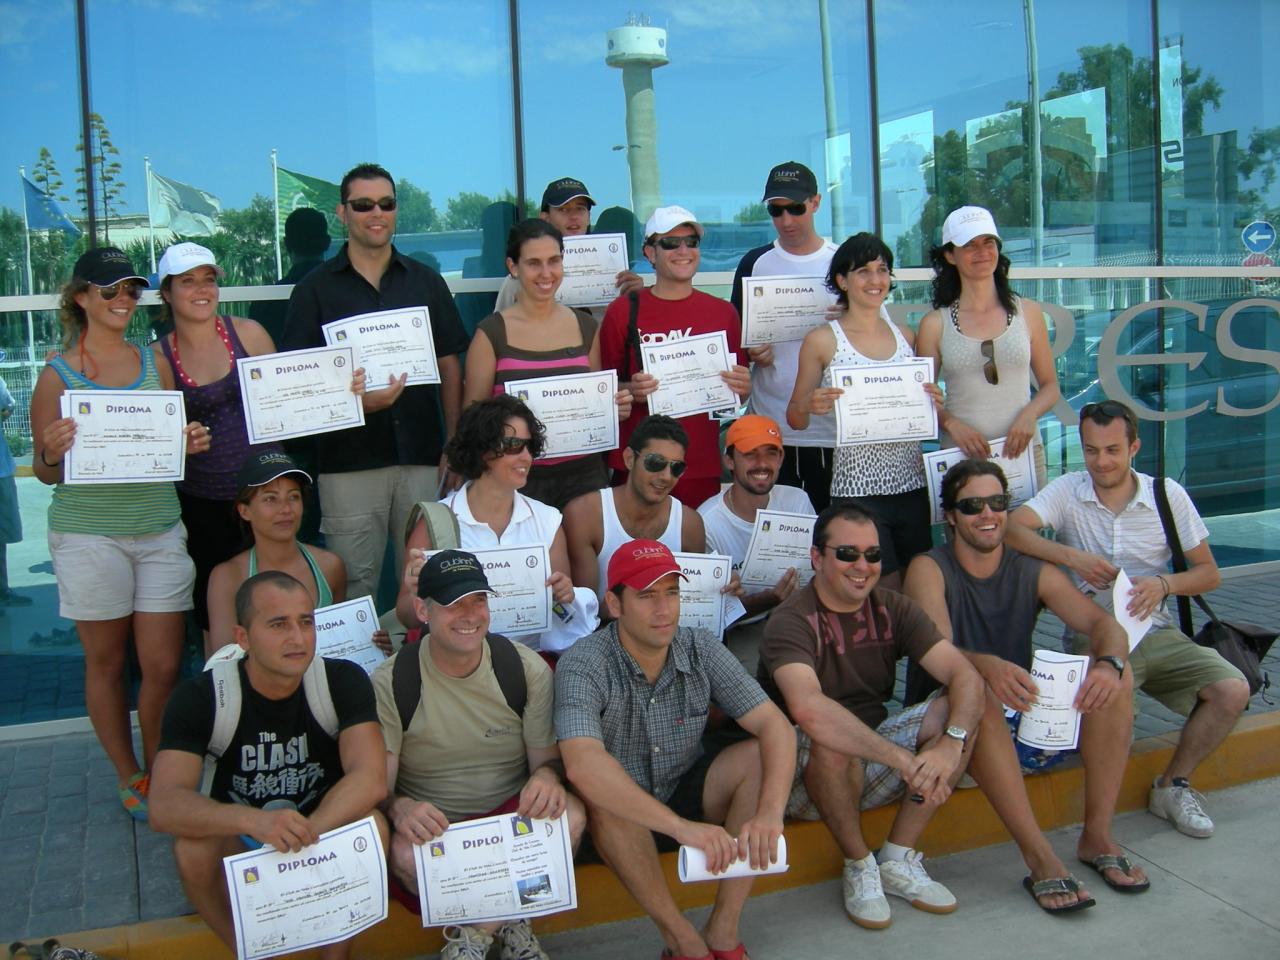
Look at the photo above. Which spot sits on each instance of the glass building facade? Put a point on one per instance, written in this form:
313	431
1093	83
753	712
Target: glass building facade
1128	149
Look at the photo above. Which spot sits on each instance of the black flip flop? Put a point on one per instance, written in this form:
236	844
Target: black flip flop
1109	861
1067	884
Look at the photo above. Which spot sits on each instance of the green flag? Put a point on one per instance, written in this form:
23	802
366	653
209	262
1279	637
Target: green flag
296	190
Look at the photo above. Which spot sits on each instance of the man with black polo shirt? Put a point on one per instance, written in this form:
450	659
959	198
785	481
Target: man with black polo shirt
791	193
371	476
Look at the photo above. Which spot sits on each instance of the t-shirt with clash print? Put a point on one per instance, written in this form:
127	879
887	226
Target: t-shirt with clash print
279	751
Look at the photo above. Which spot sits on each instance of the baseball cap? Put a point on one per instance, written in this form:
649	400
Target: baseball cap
450	575
261	468
965	223
753	430
790	181
182	257
666	219
640	564
104	266
559	192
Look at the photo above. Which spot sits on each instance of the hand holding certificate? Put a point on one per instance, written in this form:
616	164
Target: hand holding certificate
578	411
125	436
298	393
884	401
344	631
1053	722
1019	472
779	542
388	344
688	373
592	263
775	309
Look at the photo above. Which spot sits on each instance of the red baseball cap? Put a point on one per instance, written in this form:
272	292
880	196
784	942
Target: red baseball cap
639	564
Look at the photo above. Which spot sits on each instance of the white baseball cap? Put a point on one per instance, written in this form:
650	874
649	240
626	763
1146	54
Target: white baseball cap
665	219
965	223
182	257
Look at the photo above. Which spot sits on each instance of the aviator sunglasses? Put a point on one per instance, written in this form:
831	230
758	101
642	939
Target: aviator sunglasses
131	290
656	463
848	554
796	209
365	204
972	506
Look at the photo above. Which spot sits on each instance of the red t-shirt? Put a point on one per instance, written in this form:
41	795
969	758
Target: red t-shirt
660	321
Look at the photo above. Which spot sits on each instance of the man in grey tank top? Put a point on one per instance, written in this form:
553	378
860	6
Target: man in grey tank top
986	596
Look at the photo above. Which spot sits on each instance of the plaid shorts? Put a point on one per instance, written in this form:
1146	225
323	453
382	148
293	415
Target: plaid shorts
880	784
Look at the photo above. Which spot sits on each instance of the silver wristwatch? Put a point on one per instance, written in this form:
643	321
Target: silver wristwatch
958	733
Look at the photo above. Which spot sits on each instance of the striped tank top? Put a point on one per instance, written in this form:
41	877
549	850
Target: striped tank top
113	509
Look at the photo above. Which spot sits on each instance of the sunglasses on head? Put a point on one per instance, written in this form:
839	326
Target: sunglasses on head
848	554
796	209
365	204
972	506
1107	408
130	289
656	463
510	446
675	243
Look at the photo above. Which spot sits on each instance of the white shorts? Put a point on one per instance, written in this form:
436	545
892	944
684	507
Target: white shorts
106	578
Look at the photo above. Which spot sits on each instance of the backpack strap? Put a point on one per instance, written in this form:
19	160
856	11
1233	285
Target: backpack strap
315	685
442	524
406	677
227	697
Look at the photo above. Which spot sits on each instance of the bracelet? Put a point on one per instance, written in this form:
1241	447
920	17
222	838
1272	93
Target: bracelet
1165	584
46	462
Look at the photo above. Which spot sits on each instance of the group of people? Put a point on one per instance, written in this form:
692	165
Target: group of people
606	716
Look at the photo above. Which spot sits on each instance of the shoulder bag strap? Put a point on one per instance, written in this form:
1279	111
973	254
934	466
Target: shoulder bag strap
1179	558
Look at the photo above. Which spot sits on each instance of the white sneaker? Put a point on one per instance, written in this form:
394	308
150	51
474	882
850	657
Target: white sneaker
519	943
863	896
465	943
909	880
1181	805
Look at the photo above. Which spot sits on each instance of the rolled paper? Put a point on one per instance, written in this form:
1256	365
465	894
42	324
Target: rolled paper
693	865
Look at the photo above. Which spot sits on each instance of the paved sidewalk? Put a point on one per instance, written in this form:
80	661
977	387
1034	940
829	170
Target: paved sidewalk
77	862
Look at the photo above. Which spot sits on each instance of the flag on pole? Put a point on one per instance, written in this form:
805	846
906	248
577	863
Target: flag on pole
182	208
295	190
43	212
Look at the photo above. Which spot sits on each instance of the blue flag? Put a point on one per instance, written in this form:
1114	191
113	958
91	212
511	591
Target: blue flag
43	212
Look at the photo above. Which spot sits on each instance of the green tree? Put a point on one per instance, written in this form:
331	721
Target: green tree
756	212
1261	156
99	162
464	210
416	212
44	174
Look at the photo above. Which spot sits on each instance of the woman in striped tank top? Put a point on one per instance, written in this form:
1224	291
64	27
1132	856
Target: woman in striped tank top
119	549
539	337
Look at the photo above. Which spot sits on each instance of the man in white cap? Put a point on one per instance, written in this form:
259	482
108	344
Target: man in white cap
792	199
671	310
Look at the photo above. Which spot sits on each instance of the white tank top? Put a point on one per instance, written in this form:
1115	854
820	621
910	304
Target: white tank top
615	535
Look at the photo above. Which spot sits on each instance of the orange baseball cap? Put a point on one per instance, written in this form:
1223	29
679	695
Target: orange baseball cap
753	430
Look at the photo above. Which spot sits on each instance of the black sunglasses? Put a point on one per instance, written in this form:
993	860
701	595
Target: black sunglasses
365	204
675	243
510	446
972	506
1107	408
848	554
989	370
656	463
796	209
131	290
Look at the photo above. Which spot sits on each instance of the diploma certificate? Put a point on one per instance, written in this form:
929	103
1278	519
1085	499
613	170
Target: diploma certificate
298	393
327	892
506	867
688	372
702	604
775	309
388	343
1053	722
125	436
779	542
1020	473
592	263
1135	629
521	600
884	401
577	410
344	631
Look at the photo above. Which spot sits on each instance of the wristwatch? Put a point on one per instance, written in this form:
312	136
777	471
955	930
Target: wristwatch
958	733
1115	662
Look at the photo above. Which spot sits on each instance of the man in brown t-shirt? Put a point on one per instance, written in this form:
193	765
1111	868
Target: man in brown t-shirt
830	653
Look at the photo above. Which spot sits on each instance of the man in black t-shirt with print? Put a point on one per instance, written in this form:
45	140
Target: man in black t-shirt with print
281	779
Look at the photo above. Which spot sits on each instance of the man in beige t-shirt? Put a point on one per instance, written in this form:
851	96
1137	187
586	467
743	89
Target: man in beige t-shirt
477	739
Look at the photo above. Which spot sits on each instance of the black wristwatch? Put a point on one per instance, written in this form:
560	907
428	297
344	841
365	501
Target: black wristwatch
957	733
1115	662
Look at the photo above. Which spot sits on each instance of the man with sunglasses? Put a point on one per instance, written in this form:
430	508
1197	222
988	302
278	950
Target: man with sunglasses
596	524
1106	520
986	597
370	477
672	310
829	655
792	199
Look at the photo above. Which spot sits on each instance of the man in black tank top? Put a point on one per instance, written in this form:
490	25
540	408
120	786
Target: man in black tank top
986	597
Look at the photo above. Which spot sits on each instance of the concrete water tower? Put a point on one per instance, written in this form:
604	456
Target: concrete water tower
637	49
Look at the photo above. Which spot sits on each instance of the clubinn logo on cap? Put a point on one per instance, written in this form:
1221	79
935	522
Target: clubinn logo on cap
458	563
640	552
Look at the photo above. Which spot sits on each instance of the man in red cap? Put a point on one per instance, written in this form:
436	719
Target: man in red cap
631	706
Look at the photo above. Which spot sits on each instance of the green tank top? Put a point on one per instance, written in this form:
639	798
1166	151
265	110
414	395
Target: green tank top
322	585
113	509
